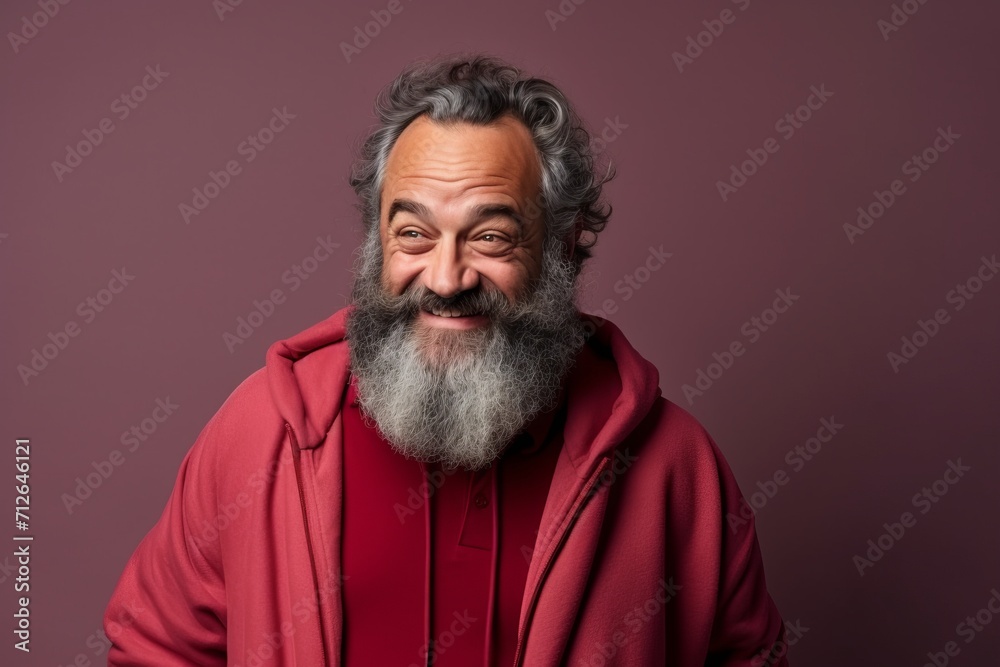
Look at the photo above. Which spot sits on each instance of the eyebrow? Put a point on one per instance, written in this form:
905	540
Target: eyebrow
479	212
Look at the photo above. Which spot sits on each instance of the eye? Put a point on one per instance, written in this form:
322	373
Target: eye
413	240
494	244
494	237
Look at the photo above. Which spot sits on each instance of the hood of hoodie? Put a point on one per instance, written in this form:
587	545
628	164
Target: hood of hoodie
308	371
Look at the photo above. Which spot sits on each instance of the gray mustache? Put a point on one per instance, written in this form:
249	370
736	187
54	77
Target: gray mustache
470	302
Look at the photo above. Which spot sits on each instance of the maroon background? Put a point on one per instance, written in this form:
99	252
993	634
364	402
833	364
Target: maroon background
162	336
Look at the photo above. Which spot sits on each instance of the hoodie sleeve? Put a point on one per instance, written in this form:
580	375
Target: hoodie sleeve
169	607
748	630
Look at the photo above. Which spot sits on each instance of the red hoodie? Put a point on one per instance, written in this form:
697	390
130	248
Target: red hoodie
634	563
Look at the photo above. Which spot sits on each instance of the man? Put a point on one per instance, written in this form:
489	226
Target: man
460	468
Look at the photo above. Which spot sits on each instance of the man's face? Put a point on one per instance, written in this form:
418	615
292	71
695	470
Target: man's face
465	322
454	218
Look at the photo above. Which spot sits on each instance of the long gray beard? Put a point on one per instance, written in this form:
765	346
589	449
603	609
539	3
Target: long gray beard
458	397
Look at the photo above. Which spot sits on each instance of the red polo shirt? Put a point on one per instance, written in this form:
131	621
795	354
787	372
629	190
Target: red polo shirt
459	543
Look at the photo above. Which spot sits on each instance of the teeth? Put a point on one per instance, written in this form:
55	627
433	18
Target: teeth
450	312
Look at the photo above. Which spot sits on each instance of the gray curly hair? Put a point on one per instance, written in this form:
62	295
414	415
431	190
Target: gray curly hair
479	89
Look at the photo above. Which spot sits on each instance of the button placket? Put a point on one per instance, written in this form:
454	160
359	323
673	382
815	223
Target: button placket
477	527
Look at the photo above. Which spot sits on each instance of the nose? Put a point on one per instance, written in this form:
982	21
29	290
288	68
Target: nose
448	273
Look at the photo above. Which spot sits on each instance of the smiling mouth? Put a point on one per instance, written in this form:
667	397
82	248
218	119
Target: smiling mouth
450	312
452	318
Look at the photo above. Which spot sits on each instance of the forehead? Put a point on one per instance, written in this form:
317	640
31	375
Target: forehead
460	157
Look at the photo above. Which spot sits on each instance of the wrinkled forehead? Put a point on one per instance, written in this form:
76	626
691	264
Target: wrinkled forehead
458	155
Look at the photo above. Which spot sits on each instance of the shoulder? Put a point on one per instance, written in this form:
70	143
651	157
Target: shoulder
247	406
670	419
245	430
670	427
682	448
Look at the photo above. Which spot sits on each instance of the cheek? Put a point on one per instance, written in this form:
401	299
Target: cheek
399	270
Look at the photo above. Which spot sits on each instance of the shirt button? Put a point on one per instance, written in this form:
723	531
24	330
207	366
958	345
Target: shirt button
481	501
